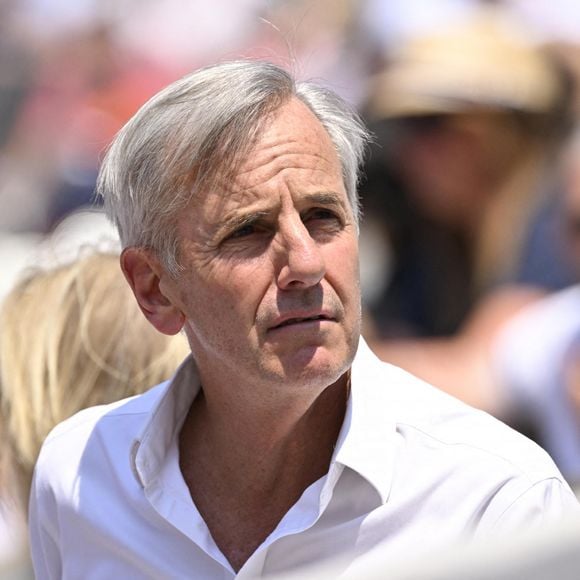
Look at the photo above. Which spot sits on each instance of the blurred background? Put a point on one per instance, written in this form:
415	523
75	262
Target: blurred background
470	245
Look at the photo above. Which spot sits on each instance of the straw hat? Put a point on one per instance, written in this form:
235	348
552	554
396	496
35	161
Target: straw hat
483	64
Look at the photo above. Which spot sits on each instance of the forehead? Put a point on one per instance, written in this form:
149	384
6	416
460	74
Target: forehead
292	160
292	146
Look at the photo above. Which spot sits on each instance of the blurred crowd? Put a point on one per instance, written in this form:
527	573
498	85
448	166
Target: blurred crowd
470	245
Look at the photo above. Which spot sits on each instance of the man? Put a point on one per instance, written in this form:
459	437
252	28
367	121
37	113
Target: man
234	191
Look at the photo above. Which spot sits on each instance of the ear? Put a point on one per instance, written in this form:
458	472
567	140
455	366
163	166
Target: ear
144	271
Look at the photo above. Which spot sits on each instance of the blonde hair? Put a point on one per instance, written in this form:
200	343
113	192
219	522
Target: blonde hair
70	338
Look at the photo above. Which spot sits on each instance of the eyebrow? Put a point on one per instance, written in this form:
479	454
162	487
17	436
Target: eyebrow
237	221
328	198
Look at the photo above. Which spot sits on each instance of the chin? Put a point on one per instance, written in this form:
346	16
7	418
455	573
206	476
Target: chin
316	365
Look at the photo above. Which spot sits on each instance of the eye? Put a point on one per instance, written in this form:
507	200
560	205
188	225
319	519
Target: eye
243	232
248	233
322	216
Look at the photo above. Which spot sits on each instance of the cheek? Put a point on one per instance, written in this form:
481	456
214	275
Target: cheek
343	272
234	296
346	260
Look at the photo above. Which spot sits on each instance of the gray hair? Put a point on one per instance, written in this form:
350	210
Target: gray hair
201	125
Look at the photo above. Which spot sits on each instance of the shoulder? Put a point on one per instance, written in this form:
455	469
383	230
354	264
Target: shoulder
95	433
427	417
537	336
88	419
555	314
455	459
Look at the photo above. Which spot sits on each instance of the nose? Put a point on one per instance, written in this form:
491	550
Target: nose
301	263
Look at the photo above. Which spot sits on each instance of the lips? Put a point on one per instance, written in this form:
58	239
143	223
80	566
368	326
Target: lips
290	320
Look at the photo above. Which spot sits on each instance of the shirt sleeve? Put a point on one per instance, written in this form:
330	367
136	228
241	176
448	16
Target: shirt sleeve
547	501
43	531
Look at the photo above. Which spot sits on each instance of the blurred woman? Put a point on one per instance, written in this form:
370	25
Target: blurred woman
71	337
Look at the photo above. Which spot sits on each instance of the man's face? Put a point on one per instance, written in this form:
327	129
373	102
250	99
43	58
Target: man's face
270	289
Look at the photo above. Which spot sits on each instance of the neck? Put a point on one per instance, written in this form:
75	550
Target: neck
286	437
245	468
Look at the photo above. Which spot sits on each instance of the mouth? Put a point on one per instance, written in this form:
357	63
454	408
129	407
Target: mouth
302	320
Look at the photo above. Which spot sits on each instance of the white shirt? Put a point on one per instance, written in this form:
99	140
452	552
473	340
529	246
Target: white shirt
413	470
530	357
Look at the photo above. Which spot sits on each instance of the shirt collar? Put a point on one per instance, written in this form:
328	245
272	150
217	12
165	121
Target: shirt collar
367	440
150	450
